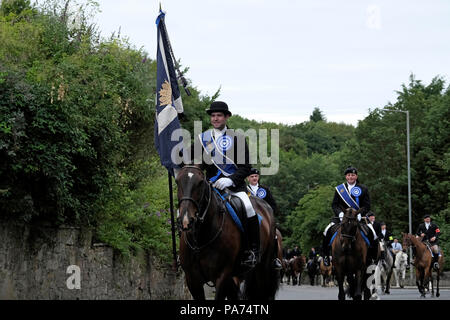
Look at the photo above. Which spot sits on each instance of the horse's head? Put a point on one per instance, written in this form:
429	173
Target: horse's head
349	226
193	196
406	240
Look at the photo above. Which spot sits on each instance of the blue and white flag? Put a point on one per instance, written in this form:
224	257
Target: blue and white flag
168	98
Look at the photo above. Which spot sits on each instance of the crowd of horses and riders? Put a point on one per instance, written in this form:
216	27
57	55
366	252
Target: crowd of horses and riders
229	237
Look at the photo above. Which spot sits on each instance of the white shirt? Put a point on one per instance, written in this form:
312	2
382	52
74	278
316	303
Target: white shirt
350	187
254	188
218	133
383	232
427	225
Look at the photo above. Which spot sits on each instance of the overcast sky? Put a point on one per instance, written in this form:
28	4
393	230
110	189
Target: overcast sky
277	60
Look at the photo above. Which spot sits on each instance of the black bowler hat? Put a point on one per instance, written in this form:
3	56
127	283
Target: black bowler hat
370	214
426	216
218	106
254	171
350	170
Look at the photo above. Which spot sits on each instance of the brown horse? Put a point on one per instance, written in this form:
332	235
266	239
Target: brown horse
423	264
280	254
296	267
211	242
349	252
325	272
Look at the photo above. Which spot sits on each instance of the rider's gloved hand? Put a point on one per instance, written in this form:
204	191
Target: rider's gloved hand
223	183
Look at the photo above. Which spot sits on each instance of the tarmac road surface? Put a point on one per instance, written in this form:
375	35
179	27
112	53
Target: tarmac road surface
307	292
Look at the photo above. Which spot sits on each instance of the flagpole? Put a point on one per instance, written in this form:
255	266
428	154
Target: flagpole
172	220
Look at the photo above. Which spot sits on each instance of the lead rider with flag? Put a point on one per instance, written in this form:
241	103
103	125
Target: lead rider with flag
350	194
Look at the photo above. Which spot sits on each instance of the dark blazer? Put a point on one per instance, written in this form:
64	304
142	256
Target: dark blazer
268	198
339	205
377	227
385	237
433	231
239	155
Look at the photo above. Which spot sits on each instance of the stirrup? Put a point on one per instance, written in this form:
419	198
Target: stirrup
277	264
436	265
250	260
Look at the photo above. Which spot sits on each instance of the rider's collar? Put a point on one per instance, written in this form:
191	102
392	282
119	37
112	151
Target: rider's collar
219	133
350	186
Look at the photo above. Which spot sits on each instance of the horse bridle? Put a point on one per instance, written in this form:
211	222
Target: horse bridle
348	236
202	217
197	205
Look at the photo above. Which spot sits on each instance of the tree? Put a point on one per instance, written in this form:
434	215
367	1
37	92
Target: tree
317	115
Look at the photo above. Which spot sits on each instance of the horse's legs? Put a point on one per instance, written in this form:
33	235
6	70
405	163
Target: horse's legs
419	281
224	284
388	281
232	290
340	280
437	283
432	285
195	287
358	285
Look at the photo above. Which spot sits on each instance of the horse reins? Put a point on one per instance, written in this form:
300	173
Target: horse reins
348	236
202	217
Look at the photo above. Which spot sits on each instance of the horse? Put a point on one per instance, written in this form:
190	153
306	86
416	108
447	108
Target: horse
383	272
280	253
423	264
401	260
284	270
349	252
296	266
211	243
313	269
326	272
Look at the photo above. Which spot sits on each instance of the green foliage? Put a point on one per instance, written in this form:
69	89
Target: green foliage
310	218
76	118
138	219
316	116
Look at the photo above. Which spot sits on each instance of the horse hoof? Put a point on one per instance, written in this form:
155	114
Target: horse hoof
437	295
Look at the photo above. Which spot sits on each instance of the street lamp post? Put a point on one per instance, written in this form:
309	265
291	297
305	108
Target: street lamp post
409	182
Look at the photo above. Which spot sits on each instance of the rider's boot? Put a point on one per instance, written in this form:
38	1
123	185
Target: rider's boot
436	260
251	257
326	249
373	250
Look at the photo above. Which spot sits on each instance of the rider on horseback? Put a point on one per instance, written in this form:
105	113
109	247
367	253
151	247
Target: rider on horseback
226	159
430	233
349	194
263	192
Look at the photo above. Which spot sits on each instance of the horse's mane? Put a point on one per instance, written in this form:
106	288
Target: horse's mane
416	242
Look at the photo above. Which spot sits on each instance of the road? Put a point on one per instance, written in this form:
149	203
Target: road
307	292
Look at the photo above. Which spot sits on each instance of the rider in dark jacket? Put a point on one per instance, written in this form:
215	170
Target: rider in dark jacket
430	233
358	194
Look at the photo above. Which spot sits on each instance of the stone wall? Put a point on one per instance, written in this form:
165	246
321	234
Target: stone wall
34	262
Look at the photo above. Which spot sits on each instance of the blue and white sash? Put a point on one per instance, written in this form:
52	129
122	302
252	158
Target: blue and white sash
217	149
260	193
343	193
